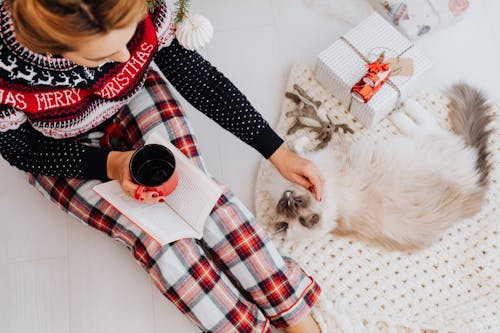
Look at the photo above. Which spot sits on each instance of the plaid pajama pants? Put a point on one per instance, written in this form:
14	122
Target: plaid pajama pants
234	279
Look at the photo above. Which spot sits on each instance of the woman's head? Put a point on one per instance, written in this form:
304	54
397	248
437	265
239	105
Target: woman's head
88	32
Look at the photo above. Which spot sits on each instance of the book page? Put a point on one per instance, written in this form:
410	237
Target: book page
157	220
185	210
196	194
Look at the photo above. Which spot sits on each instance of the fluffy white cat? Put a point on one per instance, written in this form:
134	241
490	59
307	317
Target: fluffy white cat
401	194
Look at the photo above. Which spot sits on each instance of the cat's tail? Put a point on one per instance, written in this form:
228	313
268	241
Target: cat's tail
470	119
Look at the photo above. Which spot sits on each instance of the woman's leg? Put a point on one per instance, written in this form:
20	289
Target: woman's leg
238	244
244	251
246	254
181	270
287	292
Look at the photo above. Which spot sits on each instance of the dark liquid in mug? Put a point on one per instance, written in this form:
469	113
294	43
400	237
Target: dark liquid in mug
154	172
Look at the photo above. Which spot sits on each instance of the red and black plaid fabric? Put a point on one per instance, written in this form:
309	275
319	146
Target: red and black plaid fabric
234	279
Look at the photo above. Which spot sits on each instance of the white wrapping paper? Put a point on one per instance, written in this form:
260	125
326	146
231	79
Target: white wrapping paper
415	18
340	66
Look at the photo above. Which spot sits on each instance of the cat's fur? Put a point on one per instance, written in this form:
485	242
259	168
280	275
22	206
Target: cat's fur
403	193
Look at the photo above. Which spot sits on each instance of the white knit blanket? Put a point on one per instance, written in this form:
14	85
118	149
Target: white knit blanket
453	286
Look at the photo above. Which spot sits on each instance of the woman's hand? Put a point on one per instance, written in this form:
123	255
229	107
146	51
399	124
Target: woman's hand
118	168
298	170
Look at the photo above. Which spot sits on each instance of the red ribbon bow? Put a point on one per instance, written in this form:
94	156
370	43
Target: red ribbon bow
372	81
379	65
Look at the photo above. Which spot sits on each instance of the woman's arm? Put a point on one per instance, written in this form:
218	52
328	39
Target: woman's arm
30	151
209	91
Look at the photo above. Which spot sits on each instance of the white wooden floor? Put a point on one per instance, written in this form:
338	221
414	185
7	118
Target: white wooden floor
58	276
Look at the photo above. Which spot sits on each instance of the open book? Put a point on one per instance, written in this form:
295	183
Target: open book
185	210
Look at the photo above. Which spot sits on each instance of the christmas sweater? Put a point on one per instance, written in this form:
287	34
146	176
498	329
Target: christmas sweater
45	102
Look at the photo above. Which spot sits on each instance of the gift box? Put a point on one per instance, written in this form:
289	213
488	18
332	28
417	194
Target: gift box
344	63
415	18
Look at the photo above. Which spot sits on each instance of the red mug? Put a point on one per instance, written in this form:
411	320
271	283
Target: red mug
153	168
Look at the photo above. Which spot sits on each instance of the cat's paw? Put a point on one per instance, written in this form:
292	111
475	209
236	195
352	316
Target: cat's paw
403	123
420	115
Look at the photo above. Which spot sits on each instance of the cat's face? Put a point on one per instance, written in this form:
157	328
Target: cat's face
300	216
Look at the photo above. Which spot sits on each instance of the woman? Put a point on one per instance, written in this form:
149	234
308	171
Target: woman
72	70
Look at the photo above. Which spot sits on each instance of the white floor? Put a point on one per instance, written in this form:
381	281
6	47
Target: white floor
59	276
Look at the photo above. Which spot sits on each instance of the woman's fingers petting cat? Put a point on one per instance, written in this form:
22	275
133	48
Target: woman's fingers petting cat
312	180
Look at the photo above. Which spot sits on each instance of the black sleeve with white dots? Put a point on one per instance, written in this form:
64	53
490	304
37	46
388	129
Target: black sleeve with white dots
29	150
209	91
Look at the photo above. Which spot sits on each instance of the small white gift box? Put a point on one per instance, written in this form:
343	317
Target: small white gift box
415	18
343	64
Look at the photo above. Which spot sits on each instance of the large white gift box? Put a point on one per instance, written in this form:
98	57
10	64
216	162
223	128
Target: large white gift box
415	18
343	64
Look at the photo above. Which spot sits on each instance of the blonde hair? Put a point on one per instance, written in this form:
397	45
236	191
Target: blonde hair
55	26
